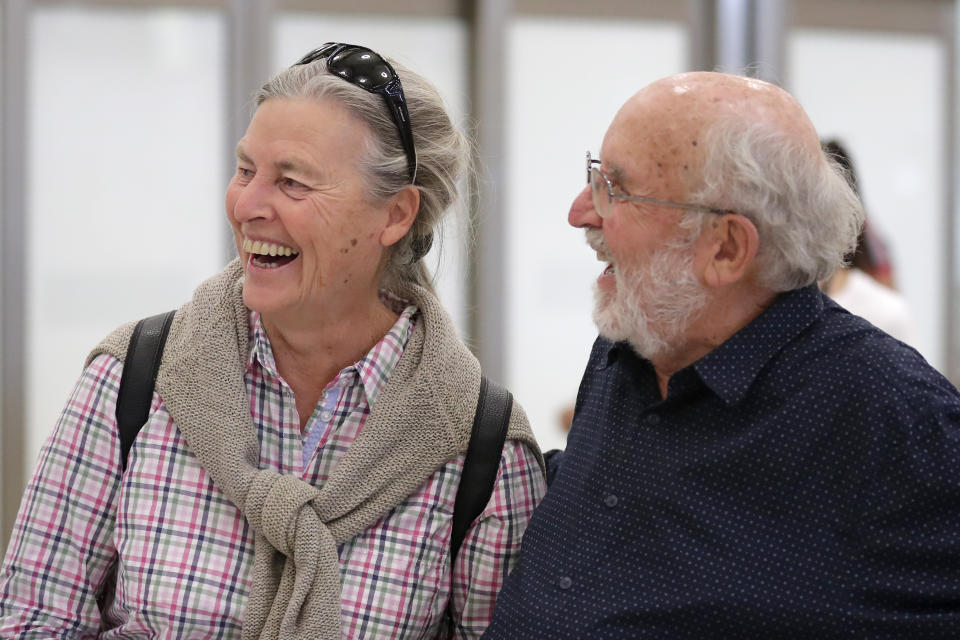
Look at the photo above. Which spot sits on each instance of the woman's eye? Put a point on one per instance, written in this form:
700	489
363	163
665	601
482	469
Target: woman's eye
290	183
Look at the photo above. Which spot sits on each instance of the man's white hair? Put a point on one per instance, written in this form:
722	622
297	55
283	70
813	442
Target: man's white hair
806	214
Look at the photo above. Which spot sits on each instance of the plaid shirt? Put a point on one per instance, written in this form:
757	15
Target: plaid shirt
180	553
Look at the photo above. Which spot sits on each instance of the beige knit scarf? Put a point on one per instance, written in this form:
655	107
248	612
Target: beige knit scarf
421	420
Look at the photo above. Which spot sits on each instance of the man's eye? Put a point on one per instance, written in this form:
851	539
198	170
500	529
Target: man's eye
244	173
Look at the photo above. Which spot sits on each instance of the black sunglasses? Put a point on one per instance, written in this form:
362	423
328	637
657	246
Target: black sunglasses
366	68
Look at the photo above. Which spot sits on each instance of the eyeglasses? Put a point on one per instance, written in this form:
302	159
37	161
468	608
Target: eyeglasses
366	68
603	196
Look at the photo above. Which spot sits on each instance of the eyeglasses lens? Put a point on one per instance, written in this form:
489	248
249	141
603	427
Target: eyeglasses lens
600	192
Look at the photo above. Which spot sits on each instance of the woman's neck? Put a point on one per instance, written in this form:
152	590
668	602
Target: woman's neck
311	351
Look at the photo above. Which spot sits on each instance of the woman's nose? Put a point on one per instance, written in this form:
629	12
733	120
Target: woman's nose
253	200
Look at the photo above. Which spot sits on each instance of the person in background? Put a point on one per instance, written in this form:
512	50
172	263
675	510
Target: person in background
747	459
297	473
861	286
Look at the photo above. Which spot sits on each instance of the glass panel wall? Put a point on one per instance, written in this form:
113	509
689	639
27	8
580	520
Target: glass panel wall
126	162
3	135
125	179
559	105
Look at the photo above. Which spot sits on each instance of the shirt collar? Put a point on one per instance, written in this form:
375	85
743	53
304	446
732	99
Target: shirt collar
372	370
731	368
375	367
261	351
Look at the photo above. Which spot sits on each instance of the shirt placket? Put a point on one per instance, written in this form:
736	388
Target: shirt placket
321	422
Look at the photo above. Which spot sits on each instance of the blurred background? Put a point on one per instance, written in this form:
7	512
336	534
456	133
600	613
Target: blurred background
119	120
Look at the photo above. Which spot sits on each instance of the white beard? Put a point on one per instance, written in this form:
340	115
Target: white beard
653	304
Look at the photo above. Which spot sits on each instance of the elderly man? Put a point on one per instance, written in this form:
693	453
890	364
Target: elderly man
748	459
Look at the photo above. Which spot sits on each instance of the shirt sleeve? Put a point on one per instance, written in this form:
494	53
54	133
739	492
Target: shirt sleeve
61	553
491	546
907	527
553	459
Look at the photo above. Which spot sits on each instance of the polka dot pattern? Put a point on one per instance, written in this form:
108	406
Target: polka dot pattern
800	481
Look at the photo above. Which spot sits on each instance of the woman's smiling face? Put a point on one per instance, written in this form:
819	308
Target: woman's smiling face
305	227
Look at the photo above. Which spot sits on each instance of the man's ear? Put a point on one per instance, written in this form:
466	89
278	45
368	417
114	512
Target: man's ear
726	250
402	211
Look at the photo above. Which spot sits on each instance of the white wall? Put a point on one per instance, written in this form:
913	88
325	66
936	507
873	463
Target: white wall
553	117
883	95
125	169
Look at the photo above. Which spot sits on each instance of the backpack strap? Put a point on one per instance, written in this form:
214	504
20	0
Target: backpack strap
138	377
490	422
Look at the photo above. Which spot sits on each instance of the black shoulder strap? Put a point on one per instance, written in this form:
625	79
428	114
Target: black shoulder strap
490	422
138	377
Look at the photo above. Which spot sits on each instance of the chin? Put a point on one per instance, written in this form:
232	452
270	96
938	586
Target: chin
607	319
636	331
652	307
263	302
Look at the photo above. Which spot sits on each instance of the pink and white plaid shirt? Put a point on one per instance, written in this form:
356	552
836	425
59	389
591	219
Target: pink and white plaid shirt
181	553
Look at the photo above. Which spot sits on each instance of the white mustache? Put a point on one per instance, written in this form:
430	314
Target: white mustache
596	242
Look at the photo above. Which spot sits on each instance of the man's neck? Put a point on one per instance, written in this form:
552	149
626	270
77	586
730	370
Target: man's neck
723	317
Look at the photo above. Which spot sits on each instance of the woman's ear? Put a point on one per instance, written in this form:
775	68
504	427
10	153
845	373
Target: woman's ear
726	249
402	211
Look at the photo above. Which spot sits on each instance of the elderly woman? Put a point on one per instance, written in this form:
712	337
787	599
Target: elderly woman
297	473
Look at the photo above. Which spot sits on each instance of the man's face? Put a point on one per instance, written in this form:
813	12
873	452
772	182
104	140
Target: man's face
648	293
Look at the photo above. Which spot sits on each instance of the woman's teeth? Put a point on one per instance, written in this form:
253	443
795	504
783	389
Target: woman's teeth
267	248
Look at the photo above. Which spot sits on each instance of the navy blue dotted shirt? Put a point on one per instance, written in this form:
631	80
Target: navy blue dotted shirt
802	480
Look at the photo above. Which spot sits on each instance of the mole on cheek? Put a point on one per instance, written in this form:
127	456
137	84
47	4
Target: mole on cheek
694	143
353	242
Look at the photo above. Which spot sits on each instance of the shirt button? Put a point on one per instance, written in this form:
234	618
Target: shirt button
653	419
611	501
565	583
325	416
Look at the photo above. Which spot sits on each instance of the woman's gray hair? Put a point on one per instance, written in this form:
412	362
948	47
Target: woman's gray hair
443	153
806	214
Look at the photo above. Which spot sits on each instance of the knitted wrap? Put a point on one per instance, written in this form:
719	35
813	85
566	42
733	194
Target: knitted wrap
421	420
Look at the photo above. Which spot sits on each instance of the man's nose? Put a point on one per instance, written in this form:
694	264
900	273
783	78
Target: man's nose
582	212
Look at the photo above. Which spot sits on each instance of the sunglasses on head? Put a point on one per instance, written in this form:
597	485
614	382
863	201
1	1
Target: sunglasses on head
365	68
